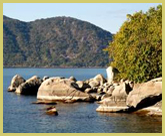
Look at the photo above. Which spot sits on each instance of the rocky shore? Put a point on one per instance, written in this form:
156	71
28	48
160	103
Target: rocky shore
123	96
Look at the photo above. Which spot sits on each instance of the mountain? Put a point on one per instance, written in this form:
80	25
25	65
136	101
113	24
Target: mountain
54	42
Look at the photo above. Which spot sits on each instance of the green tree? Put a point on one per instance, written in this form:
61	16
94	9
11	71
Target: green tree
136	50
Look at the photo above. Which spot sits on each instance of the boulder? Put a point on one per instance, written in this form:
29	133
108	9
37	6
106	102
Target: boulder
111	73
99	78
82	85
52	111
45	77
115	100
97	81
90	90
112	109
121	92
155	110
110	90
30	87
72	78
96	96
93	83
56	89
145	94
15	82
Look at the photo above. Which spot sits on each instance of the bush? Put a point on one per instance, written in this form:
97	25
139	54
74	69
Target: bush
136	50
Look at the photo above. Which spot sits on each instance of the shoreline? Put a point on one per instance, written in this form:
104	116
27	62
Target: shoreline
54	67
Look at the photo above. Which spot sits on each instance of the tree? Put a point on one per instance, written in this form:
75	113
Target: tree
136	50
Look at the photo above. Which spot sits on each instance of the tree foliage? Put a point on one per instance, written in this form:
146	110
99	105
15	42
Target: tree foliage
136	50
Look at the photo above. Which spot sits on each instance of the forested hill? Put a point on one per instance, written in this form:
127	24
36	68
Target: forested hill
54	42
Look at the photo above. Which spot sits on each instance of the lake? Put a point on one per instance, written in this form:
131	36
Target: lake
20	116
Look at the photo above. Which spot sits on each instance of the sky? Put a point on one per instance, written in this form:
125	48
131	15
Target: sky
108	16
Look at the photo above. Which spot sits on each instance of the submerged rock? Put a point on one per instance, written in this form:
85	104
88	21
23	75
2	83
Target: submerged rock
52	111
15	82
56	89
30	87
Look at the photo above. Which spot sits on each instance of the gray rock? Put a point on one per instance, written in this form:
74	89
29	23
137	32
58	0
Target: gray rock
110	90
96	96
112	109
97	81
82	85
94	84
72	78
155	110
100	79
55	89
30	87
45	77
145	94
90	90
111	73
121	92
115	100
15	82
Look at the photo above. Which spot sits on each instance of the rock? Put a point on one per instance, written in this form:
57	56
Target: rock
90	90
72	78
82	85
52	111
145	94
96	96
155	110
100	79
112	109
30	87
44	102
121	92
70	101
99	90
110	90
15	82
105	96
55	89
115	101
45	77
97	81
111	72
108	105
94	84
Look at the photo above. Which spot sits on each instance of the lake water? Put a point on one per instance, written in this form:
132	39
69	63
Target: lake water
20	116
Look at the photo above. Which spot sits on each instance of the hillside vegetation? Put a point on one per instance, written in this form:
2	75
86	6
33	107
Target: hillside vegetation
54	42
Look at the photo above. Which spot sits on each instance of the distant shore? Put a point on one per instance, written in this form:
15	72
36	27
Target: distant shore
60	67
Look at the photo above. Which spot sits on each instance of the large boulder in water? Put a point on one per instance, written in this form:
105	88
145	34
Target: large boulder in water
15	82
145	94
57	89
30	87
